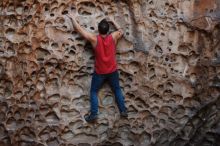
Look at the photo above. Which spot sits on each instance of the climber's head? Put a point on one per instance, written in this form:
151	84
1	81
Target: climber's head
103	27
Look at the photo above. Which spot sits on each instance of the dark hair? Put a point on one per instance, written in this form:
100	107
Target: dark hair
103	27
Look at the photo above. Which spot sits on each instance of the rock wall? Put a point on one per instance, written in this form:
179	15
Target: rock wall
169	64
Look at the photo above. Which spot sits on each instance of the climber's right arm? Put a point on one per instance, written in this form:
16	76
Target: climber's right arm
117	34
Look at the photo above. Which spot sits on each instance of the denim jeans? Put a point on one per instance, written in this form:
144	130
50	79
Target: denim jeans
97	81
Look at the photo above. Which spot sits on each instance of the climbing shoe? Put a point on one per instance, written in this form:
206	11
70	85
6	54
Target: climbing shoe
90	118
124	114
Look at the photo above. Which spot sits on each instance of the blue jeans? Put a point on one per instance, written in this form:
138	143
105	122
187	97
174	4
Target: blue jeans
113	80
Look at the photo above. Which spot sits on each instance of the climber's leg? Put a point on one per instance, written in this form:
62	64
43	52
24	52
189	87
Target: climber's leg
97	81
113	79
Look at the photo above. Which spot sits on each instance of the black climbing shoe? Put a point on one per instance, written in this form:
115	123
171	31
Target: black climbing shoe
90	118
124	114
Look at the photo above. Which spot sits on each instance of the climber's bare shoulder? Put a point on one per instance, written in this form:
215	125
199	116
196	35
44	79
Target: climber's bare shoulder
117	35
91	38
87	35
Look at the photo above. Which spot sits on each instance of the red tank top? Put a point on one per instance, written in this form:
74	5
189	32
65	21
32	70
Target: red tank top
105	60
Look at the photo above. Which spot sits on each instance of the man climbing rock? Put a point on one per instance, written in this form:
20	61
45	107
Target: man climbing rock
104	46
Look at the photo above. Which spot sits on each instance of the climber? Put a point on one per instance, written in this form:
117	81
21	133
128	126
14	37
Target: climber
104	45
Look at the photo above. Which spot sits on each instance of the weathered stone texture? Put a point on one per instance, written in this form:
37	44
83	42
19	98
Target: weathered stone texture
169	64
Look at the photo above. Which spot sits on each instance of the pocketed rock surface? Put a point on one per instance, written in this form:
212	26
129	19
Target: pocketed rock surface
168	60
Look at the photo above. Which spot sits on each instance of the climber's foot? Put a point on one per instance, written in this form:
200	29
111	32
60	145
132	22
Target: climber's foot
124	114
91	118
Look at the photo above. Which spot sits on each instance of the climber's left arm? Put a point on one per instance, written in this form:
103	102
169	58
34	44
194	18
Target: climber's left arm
87	35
